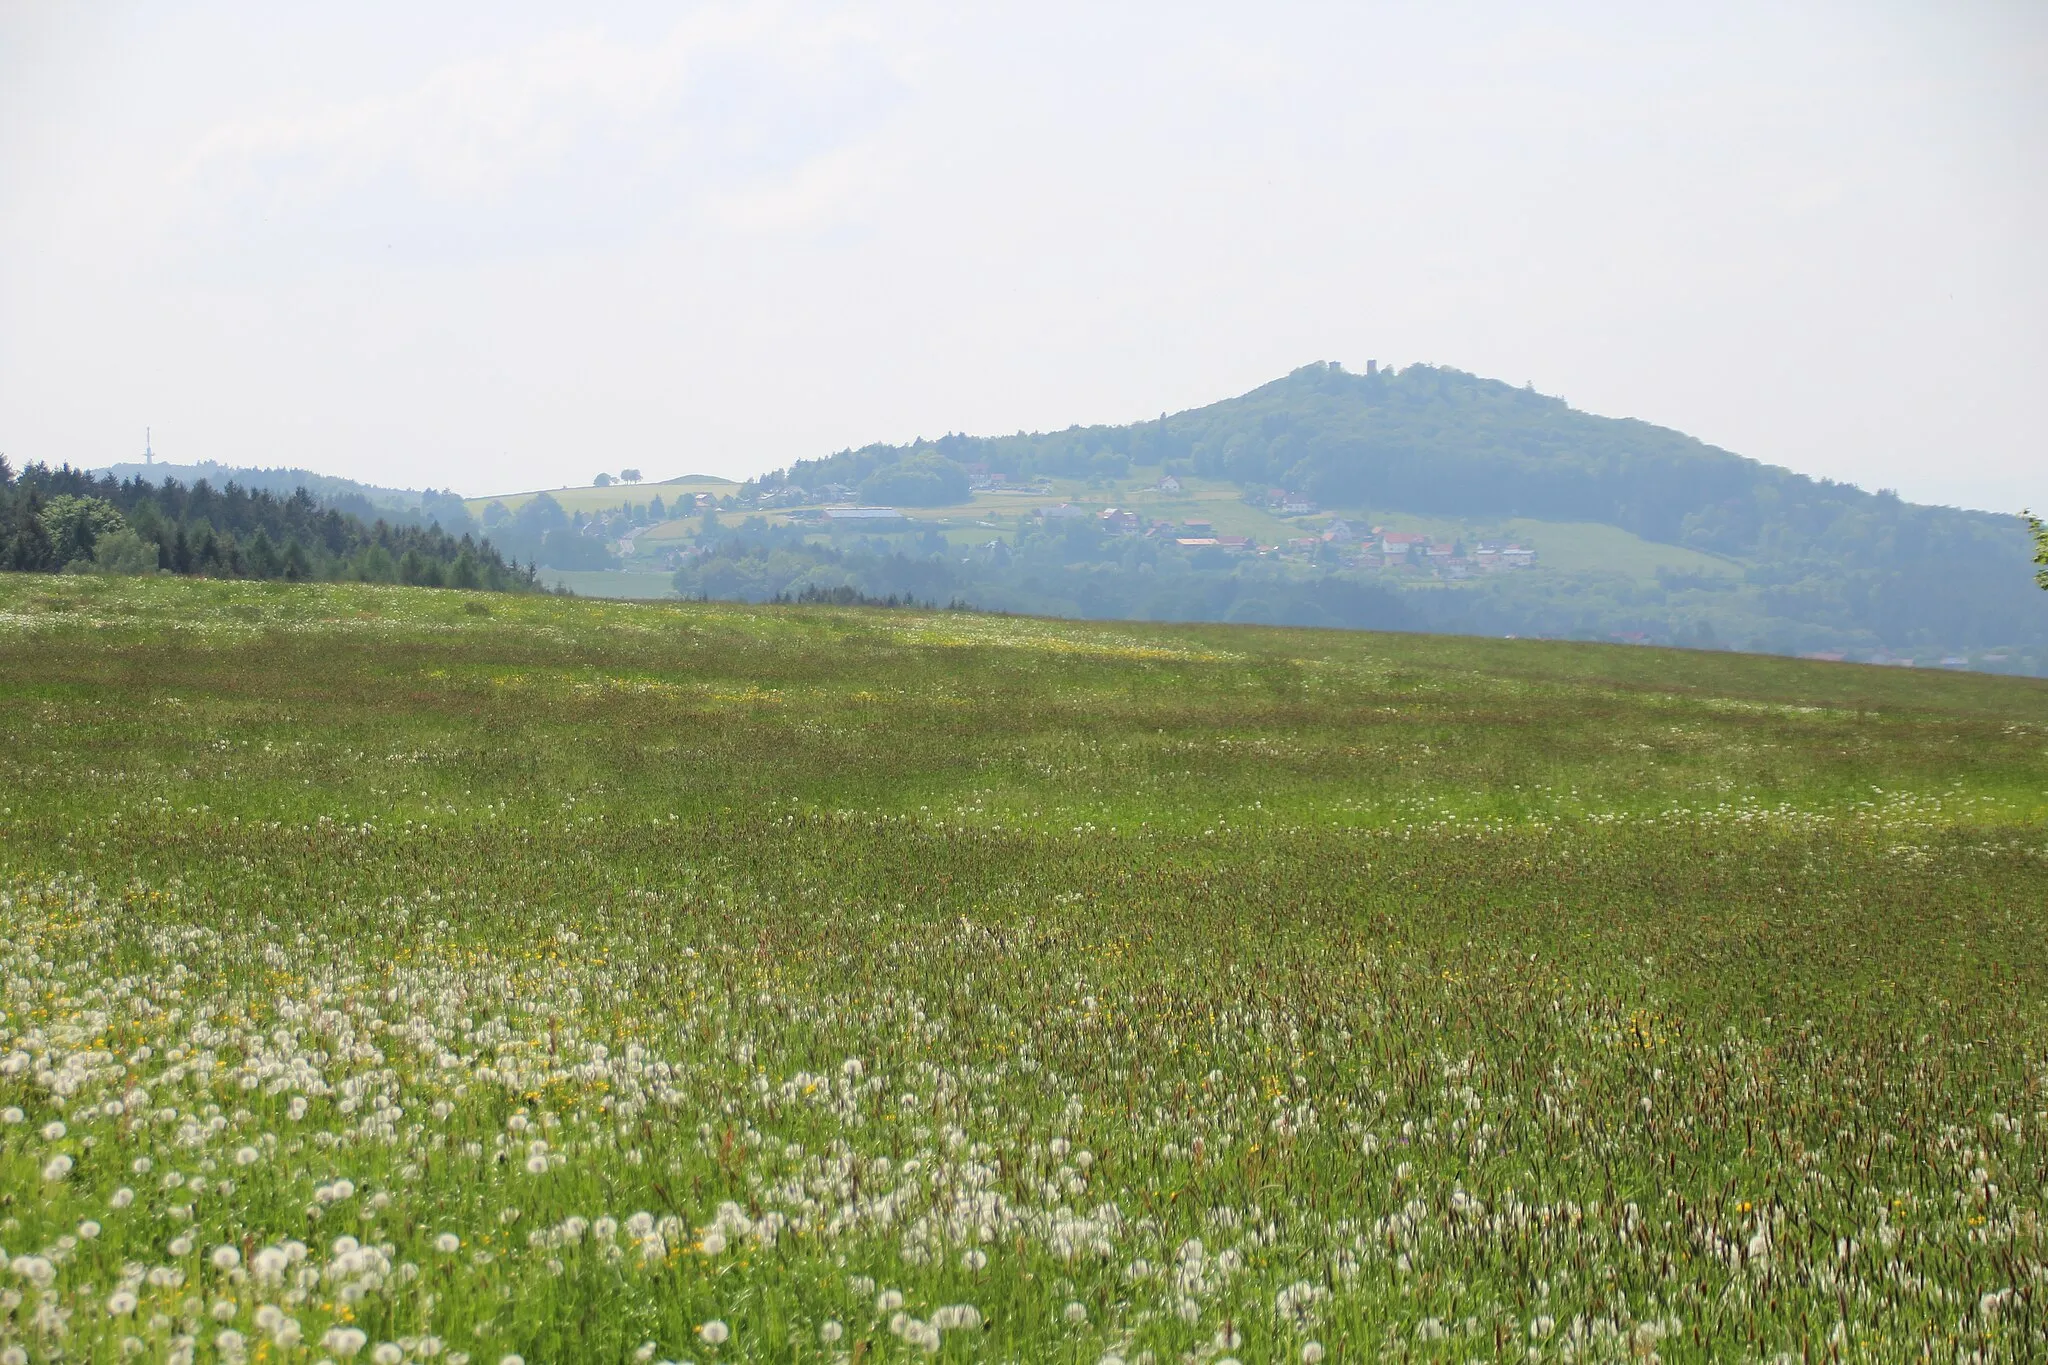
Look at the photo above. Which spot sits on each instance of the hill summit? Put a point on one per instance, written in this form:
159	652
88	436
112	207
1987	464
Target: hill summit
1800	564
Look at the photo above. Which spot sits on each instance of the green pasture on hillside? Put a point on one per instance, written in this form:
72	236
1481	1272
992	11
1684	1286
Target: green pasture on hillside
591	498
406	975
1566	546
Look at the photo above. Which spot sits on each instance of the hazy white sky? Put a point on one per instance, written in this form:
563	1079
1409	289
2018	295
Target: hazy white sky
495	247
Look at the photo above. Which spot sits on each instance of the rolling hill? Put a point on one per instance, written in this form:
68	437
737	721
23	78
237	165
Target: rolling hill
1641	532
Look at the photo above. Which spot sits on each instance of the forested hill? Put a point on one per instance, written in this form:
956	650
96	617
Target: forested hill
365	501
1820	562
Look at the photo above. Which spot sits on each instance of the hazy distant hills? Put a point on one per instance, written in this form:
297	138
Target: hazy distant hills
1812	565
1522	516
368	501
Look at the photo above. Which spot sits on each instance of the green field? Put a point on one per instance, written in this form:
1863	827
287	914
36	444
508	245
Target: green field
394	974
622	583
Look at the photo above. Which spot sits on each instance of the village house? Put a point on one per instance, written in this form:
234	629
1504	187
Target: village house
1398	545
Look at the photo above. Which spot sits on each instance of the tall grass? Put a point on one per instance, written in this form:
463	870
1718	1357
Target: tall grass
399	975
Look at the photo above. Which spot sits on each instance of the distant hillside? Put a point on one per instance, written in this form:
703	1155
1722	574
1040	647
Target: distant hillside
1813	565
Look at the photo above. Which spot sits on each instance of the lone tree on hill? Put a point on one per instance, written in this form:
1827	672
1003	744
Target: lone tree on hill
630	475
602	481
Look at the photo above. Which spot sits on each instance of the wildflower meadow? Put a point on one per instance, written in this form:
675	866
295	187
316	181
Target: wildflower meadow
398	975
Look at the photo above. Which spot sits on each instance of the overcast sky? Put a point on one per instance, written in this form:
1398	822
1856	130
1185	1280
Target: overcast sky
496	248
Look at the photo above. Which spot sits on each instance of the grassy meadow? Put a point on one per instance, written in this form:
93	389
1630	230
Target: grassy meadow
403	975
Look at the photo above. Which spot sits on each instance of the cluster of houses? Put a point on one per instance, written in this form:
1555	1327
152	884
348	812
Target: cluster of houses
1378	548
1282	502
982	479
791	495
1353	546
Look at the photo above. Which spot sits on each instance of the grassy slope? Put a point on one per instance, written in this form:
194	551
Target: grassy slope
620	583
592	499
1672	952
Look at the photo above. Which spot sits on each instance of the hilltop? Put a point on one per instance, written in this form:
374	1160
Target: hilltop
1420	499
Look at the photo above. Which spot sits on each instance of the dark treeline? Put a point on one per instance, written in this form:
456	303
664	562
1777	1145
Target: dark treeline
70	520
846	596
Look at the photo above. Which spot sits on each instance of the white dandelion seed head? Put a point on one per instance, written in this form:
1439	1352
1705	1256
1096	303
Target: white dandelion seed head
714	1332
343	1341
